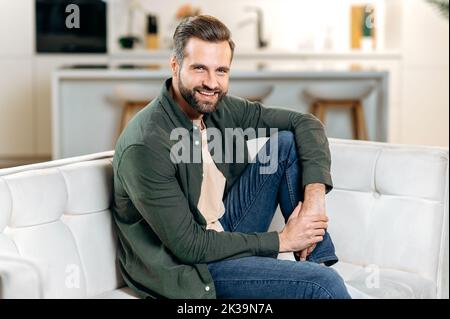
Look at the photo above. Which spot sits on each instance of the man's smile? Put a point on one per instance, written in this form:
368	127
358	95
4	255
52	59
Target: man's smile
208	94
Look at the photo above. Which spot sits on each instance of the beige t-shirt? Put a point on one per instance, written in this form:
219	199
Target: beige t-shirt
213	185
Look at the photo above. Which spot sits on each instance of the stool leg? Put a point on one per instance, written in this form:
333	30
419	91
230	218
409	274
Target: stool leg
130	110
354	122
313	109
321	108
318	110
359	122
124	117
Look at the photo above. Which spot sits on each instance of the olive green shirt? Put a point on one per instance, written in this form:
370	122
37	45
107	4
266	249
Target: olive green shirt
164	246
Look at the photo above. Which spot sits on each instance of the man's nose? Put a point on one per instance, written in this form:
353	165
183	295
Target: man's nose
210	81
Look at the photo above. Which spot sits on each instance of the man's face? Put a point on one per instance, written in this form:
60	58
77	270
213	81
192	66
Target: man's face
203	77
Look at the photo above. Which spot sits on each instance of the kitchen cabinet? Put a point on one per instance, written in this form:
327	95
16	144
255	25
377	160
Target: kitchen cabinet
44	65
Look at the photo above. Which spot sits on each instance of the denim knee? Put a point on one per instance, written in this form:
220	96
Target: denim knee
333	283
285	138
285	144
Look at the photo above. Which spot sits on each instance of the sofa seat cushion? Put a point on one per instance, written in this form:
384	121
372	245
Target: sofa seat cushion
120	293
371	282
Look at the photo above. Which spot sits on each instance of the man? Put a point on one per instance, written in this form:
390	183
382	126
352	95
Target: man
199	229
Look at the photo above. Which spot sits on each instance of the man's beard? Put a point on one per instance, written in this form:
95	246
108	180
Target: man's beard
202	107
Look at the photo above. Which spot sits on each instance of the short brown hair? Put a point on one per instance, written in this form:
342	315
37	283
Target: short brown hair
203	27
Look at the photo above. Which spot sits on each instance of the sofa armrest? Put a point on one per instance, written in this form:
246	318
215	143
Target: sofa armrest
443	274
20	278
443	268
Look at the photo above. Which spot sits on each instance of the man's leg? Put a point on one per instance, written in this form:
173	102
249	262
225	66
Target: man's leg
252	201
290	193
270	278
250	206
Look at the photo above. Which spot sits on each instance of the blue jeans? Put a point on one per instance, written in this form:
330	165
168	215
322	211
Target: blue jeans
249	207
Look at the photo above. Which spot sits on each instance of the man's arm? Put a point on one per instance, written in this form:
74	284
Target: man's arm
149	178
314	201
311	141
313	204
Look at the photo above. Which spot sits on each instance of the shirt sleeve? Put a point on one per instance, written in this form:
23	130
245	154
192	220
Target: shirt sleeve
149	178
311	141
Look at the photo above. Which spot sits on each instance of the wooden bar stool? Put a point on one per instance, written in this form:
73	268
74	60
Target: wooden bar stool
341	95
130	108
319	108
132	98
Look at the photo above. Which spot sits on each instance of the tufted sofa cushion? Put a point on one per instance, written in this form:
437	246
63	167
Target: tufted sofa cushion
388	219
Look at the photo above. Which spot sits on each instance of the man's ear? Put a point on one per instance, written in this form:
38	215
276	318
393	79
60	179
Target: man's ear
174	66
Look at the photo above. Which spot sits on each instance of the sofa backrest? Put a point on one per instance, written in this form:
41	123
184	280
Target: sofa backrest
389	207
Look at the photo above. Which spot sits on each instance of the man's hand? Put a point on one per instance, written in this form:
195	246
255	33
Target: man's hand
314	204
301	231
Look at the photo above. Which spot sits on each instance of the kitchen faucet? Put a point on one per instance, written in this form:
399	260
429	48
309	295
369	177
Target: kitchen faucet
259	25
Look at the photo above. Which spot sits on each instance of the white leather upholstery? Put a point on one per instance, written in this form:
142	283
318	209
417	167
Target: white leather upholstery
388	219
395	217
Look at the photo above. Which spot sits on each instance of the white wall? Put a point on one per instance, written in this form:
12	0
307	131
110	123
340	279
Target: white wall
16	78
425	75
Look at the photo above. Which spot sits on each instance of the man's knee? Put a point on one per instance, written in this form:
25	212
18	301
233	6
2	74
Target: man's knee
333	283
283	142
285	138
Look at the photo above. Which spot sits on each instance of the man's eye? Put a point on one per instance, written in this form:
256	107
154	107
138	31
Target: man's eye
222	71
199	68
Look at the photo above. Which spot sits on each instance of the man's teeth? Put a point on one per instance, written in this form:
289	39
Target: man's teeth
207	93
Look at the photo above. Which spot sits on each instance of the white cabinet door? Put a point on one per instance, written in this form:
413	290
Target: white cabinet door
16	108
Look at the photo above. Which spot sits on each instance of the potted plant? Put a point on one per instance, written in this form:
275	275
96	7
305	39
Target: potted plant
441	5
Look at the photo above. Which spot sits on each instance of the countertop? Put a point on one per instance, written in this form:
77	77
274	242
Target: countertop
248	70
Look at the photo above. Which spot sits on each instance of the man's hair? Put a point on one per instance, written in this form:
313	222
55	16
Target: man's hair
203	27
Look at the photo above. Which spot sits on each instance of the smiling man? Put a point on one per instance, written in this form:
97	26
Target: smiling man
192	229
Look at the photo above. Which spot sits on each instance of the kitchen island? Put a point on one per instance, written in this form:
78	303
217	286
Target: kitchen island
87	103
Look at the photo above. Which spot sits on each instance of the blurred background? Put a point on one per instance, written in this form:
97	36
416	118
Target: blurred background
73	73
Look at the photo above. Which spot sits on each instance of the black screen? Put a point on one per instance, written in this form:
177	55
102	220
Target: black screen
53	34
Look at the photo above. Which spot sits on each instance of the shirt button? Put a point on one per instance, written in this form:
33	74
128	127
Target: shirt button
195	127
196	142
207	288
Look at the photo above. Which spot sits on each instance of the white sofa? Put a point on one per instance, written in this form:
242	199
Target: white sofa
388	219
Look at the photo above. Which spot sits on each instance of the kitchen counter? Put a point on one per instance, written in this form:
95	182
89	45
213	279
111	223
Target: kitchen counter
238	70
